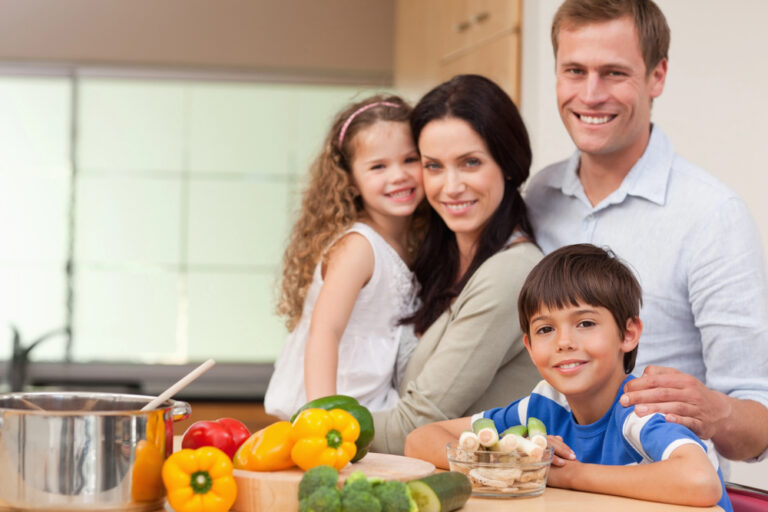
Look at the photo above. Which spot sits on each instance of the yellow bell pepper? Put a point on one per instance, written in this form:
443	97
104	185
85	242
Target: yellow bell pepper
269	449
199	480
324	437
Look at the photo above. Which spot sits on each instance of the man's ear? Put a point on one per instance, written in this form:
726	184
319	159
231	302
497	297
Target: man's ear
632	332
657	78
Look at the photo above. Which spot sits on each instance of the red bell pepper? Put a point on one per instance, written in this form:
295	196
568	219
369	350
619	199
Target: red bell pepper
226	434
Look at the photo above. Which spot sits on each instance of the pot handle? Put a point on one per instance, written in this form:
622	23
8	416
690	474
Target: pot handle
180	410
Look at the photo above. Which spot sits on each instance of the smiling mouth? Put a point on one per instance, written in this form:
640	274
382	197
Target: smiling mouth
457	207
570	365
401	194
596	120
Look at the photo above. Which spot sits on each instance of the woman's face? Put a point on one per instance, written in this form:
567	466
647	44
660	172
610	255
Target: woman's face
462	182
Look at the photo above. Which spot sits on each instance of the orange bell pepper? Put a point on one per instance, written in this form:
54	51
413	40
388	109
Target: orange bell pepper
324	437
269	449
146	482
200	480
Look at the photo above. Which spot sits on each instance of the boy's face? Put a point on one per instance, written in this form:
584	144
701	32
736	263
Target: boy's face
579	350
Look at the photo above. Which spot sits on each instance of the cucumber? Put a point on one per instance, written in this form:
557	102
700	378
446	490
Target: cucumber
441	492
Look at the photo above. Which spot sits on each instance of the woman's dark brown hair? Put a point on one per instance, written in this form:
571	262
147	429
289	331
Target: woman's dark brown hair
582	274
492	114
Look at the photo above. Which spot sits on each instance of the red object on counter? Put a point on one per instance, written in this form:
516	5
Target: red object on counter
226	434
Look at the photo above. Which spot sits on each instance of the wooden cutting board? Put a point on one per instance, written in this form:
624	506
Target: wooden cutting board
278	490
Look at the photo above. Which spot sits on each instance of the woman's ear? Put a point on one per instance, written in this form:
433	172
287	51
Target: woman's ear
632	332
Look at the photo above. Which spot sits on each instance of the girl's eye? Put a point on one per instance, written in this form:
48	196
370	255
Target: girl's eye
544	330
377	167
411	159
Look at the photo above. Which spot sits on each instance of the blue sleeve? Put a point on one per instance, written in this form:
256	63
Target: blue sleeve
654	438
505	417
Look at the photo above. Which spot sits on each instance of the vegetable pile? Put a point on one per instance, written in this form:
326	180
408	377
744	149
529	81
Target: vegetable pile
319	492
510	462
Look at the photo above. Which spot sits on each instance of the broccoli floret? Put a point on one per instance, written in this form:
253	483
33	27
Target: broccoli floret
395	496
357	500
315	478
358	482
324	499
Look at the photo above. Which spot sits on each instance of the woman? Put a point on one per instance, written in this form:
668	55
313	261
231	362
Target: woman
477	252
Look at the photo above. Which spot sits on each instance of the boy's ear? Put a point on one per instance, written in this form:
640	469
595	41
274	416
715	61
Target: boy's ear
632	332
527	343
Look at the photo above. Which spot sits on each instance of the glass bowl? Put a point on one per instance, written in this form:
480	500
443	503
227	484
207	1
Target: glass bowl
501	474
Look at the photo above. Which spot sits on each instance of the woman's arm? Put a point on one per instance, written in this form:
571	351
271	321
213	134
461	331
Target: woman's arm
687	477
349	267
428	442
456	366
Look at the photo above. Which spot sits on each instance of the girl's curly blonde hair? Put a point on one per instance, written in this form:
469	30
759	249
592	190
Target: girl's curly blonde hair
329	205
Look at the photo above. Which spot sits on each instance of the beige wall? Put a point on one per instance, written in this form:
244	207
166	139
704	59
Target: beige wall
342	37
714	105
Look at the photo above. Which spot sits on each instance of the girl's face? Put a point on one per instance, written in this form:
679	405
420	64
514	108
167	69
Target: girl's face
386	169
462	182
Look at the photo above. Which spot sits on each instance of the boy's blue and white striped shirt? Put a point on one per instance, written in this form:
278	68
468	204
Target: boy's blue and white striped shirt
620	437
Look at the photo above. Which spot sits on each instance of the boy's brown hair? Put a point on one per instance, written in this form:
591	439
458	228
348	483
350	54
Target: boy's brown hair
650	23
582	274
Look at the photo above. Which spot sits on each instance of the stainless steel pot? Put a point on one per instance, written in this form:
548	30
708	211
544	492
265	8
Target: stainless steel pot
84	451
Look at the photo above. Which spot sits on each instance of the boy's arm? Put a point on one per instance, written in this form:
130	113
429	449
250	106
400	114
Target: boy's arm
687	477
349	268
428	441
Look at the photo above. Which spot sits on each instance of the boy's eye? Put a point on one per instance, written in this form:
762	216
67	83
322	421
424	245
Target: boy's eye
586	323
544	330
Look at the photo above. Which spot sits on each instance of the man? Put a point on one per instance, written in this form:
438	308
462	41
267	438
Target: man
689	238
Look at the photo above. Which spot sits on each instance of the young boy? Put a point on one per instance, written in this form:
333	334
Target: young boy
579	311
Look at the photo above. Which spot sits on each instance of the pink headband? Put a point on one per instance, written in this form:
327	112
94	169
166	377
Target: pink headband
359	111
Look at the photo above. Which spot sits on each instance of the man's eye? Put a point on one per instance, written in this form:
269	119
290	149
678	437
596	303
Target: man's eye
573	71
616	73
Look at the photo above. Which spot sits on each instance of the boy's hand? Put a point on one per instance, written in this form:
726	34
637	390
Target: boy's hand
563	474
562	452
680	397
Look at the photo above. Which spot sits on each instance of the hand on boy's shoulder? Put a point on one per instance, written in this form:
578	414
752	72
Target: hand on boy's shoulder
680	397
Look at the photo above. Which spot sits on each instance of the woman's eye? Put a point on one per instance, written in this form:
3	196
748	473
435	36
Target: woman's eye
472	162
432	166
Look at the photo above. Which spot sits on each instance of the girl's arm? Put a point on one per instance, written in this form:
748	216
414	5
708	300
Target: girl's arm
348	269
687	477
428	442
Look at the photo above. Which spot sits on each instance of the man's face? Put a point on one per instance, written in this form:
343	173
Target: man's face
603	91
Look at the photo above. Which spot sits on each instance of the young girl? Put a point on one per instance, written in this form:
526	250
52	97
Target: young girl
346	282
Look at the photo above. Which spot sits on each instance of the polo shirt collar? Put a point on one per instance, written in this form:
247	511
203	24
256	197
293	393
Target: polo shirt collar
648	178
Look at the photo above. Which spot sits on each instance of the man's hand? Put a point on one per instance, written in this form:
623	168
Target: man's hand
680	397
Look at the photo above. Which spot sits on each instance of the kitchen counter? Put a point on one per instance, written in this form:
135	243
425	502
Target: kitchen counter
572	501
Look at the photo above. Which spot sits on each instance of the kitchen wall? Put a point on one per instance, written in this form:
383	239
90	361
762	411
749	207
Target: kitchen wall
713	106
329	38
